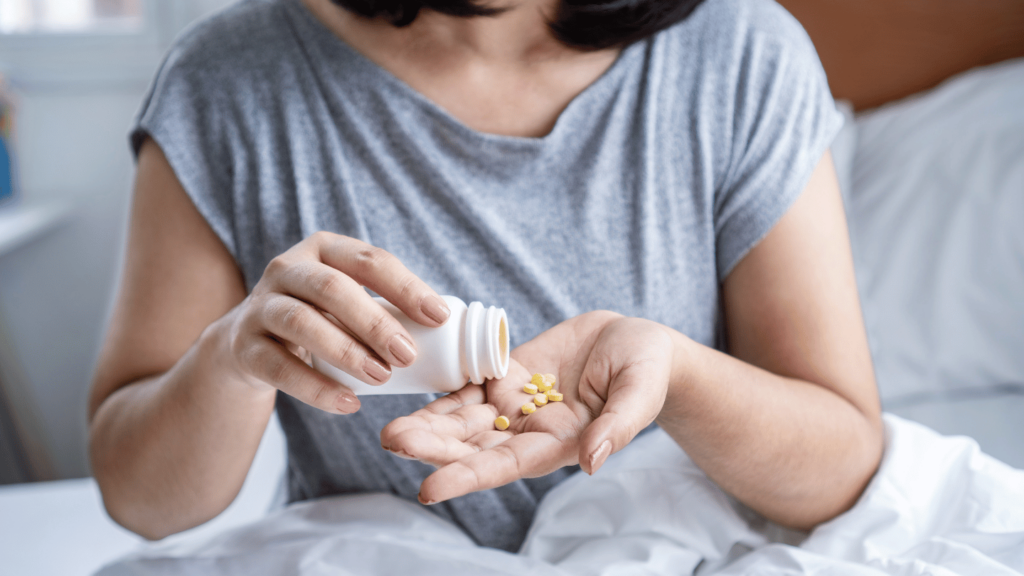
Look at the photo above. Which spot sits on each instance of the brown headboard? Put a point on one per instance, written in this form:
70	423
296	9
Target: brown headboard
875	51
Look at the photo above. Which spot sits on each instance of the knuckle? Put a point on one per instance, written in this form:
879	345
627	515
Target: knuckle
262	316
293	318
326	283
241	348
350	354
321	395
247	358
254	305
409	288
380	326
320	237
274	369
277	266
605	316
370	260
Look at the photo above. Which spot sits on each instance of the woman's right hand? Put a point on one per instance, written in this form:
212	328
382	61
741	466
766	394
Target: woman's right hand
192	361
271	333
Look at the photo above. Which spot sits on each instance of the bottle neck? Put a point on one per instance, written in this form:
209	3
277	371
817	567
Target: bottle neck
485	343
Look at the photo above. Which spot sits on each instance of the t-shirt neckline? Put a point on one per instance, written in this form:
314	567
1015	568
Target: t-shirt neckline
578	102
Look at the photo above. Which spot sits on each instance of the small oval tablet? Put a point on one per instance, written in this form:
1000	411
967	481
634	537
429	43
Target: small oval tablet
554	395
537	379
530	388
549	378
501	422
529	408
544	386
540	399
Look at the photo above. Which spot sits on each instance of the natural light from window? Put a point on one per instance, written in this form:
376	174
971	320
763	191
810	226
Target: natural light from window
69	16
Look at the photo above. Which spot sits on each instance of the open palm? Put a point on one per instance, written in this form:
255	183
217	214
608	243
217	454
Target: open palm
613	373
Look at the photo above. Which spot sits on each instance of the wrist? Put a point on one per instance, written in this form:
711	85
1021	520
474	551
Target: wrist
685	359
216	358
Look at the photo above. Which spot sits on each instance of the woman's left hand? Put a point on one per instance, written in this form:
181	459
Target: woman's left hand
613	372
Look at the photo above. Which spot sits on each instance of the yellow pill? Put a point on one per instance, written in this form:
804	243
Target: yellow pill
540	399
554	395
529	408
501	423
549	378
537	379
530	388
544	386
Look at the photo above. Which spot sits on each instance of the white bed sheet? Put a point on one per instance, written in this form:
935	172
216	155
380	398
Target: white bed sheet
938	506
61	528
57	528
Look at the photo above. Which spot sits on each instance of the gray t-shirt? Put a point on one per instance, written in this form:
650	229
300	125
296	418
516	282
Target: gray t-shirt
654	182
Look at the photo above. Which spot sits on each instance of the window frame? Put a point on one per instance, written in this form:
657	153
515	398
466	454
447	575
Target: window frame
103	58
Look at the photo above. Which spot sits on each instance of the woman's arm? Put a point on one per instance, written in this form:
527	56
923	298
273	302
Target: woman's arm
173	429
790	425
789	422
189	371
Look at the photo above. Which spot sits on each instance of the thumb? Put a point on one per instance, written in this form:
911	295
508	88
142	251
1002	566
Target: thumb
636	393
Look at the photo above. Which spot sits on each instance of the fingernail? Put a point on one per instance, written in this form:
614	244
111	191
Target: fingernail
346	404
402	349
435	309
598	457
425	502
376	370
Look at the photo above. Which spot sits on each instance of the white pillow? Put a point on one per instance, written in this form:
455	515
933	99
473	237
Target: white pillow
936	217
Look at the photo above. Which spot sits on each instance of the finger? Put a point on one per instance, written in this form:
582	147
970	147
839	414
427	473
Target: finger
297	322
383	273
453	450
467	395
526	455
631	407
341	296
272	363
438	450
461	424
489	439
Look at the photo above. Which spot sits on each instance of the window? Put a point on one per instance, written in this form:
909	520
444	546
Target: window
90	43
75	16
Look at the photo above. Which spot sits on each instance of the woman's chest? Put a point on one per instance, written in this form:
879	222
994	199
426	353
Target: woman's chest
611	211
546	243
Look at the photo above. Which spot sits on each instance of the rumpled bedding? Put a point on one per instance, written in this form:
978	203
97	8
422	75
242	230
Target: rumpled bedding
937	506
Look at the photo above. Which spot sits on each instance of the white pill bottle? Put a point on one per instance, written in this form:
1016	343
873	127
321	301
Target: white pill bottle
472	346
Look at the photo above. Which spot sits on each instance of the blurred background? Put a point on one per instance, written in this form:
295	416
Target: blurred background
75	72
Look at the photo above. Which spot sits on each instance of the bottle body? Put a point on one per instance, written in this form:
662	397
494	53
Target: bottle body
471	346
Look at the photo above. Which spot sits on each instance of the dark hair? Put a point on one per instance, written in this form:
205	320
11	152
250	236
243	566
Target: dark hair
591	24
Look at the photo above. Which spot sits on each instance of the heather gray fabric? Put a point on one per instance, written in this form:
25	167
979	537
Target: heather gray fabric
654	182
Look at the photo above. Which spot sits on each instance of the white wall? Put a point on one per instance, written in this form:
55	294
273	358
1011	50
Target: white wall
55	292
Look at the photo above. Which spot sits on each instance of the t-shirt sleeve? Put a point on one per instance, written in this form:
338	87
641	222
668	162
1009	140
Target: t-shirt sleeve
184	112
783	121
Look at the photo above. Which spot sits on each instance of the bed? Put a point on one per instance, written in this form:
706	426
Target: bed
933	183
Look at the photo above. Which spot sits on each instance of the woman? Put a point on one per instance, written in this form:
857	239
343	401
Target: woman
637	183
